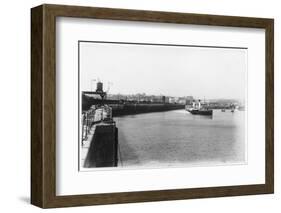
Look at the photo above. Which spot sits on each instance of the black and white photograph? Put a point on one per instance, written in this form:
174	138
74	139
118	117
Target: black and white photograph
148	105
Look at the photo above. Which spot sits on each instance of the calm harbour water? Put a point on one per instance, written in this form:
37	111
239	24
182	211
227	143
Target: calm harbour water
178	138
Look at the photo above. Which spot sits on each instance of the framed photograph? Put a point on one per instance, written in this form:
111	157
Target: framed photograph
136	106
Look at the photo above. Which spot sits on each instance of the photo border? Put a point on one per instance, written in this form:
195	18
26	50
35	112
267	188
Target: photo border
81	169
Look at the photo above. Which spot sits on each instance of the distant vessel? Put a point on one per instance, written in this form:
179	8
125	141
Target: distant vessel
234	108
197	109
241	108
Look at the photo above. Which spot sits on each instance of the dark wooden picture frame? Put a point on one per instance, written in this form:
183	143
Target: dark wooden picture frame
43	105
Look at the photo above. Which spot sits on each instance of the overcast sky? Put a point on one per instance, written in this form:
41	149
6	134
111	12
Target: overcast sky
202	72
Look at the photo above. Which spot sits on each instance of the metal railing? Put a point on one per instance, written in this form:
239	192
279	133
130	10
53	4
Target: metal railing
95	115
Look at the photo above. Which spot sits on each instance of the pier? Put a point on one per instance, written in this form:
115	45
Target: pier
99	139
99	135
102	151
122	107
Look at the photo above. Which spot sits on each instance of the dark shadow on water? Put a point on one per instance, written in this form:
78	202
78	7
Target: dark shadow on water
135	114
126	116
127	152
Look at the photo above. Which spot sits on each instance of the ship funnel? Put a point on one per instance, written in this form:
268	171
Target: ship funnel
193	104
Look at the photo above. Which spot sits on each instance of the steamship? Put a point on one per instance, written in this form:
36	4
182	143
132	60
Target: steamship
197	109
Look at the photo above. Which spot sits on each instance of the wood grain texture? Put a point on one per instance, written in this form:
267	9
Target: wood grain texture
269	106
36	106
43	105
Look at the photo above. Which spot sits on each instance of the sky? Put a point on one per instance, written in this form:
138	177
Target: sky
202	72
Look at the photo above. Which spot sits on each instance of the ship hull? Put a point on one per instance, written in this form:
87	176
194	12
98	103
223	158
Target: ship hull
200	112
